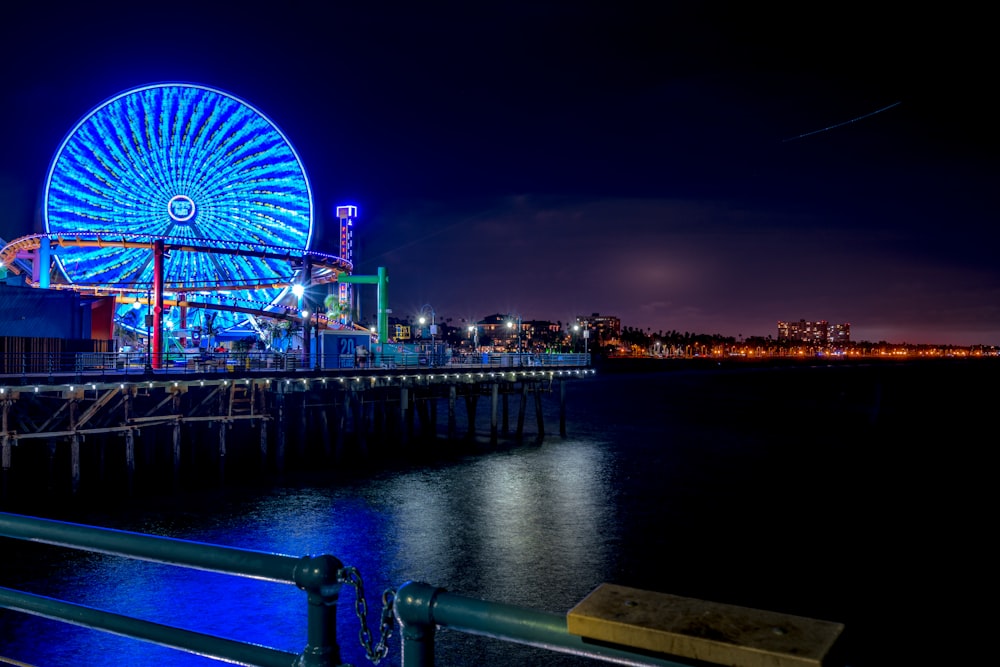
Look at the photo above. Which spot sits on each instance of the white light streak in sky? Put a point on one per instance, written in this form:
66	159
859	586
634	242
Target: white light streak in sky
846	122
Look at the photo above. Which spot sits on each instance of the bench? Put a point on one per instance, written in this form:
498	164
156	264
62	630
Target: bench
699	630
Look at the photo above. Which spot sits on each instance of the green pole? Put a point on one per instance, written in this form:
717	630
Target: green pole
382	282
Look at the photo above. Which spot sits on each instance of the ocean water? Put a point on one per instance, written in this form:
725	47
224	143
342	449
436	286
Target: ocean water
860	494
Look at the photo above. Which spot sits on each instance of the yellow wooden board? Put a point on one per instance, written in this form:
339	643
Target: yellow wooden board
699	630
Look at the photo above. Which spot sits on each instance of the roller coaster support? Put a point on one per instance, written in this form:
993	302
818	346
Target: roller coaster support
304	305
157	360
43	263
382	280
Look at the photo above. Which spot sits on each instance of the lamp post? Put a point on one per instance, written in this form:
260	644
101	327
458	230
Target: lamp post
474	335
149	332
299	290
423	319
586	335
510	325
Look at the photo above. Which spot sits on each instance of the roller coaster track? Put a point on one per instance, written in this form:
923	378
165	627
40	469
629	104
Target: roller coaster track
305	266
324	268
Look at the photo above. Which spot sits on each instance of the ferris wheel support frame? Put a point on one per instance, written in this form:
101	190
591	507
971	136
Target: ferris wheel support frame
158	304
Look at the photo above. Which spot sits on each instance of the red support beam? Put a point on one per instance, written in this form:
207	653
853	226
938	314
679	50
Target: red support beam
158	303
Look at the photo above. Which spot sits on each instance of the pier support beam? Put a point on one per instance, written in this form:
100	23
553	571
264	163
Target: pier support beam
471	399
130	459
279	428
432	421
494	399
562	408
521	409
176	440
539	417
452	392
5	446
176	448
74	448
263	443
360	423
404	420
506	412
223	427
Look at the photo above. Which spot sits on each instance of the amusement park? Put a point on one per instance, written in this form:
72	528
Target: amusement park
184	218
179	232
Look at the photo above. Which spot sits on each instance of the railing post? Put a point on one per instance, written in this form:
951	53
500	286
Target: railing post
317	576
412	607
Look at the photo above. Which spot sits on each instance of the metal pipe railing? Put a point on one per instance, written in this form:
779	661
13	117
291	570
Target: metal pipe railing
422	608
193	642
99	364
419	609
318	576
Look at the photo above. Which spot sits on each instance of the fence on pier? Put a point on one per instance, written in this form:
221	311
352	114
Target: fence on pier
32	359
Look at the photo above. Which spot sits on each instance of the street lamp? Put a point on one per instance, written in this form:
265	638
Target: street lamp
149	332
299	290
474	335
586	335
510	325
423	319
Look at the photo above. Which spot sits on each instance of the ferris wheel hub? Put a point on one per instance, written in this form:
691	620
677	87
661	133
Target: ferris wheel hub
180	208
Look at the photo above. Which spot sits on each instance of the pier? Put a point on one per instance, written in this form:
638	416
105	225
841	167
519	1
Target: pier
89	427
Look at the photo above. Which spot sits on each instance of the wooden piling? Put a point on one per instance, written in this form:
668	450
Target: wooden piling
494	396
404	406
539	417
522	406
562	408
452	392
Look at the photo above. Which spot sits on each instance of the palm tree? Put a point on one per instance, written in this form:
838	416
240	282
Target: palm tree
335	309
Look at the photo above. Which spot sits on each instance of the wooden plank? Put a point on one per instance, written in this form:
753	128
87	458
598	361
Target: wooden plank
700	630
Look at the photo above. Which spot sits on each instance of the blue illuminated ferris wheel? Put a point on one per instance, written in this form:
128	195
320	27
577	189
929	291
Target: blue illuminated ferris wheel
188	162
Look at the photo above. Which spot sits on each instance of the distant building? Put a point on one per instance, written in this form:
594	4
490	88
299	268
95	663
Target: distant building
607	328
814	333
839	333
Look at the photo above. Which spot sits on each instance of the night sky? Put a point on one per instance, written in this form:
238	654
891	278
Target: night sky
700	167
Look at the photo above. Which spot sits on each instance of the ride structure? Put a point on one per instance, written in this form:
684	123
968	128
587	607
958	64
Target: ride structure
191	208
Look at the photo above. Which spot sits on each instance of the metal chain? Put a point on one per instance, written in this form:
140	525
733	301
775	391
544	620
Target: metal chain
350	575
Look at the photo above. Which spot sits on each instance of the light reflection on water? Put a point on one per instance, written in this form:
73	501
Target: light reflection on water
520	526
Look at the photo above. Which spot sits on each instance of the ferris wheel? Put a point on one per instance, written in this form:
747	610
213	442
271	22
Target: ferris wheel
180	161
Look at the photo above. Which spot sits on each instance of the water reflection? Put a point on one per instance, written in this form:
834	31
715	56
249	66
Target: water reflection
523	526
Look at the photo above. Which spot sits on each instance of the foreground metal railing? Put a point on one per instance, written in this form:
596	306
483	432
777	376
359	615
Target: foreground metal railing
321	577
419	608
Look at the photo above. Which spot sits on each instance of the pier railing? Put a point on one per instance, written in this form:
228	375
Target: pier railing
418	609
89	364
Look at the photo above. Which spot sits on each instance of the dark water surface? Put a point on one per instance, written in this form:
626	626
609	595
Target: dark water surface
857	494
